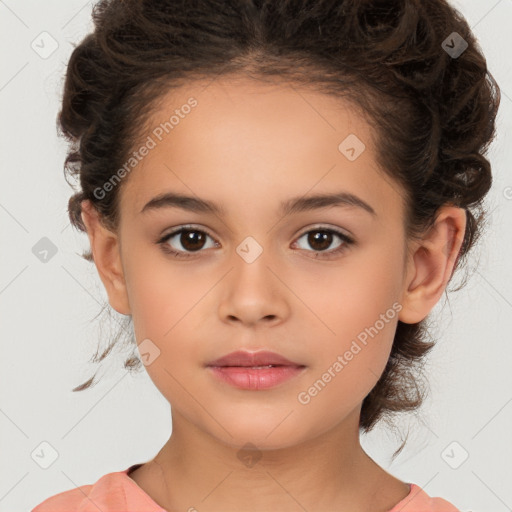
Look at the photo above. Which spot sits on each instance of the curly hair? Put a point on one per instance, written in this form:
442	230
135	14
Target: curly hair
433	112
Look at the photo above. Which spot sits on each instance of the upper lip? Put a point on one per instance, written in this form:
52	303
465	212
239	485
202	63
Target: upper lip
245	358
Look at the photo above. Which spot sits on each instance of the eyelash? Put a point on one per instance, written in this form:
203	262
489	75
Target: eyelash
180	254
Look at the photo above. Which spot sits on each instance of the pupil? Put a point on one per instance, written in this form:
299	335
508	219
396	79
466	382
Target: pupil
320	236
190	238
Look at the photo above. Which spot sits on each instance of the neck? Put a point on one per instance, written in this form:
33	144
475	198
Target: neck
193	470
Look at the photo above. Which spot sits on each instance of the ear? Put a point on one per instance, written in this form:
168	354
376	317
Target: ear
106	254
431	264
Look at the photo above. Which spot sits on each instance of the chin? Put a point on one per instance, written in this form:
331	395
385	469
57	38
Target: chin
260	437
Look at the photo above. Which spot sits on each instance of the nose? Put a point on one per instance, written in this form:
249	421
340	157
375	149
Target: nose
253	294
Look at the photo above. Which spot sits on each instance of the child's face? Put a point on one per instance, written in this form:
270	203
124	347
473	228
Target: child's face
248	148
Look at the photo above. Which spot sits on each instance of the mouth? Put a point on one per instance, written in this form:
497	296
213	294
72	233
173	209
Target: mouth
254	371
255	367
246	359
255	378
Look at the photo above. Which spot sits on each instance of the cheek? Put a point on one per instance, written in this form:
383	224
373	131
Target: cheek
351	361
356	294
162	292
359	314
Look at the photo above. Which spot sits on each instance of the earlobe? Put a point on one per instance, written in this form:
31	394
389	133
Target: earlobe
107	258
431	264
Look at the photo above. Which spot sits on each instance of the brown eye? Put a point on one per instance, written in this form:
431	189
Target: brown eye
185	241
192	240
321	240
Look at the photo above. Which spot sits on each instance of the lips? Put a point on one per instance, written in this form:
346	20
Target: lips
254	371
242	358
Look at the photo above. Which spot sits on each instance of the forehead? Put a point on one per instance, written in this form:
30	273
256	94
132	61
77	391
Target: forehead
242	139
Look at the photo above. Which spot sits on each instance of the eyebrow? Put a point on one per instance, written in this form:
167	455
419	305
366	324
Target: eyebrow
293	205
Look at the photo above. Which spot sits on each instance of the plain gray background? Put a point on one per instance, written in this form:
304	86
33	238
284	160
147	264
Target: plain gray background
48	330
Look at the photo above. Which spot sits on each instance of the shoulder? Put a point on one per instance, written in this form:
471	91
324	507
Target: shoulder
65	501
113	492
419	501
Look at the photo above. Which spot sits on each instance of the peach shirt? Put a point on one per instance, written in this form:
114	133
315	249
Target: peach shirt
117	492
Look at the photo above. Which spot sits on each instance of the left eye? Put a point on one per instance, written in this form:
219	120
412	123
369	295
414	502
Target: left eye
193	240
320	240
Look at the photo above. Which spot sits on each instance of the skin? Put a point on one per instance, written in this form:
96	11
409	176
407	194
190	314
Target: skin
248	146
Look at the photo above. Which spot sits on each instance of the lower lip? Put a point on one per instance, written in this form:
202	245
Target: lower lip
256	378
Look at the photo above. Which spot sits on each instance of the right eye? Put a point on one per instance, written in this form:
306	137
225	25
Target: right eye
190	239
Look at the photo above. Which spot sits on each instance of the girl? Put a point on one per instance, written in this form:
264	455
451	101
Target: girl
277	193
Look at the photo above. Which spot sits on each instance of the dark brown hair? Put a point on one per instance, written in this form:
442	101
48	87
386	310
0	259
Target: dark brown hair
433	112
